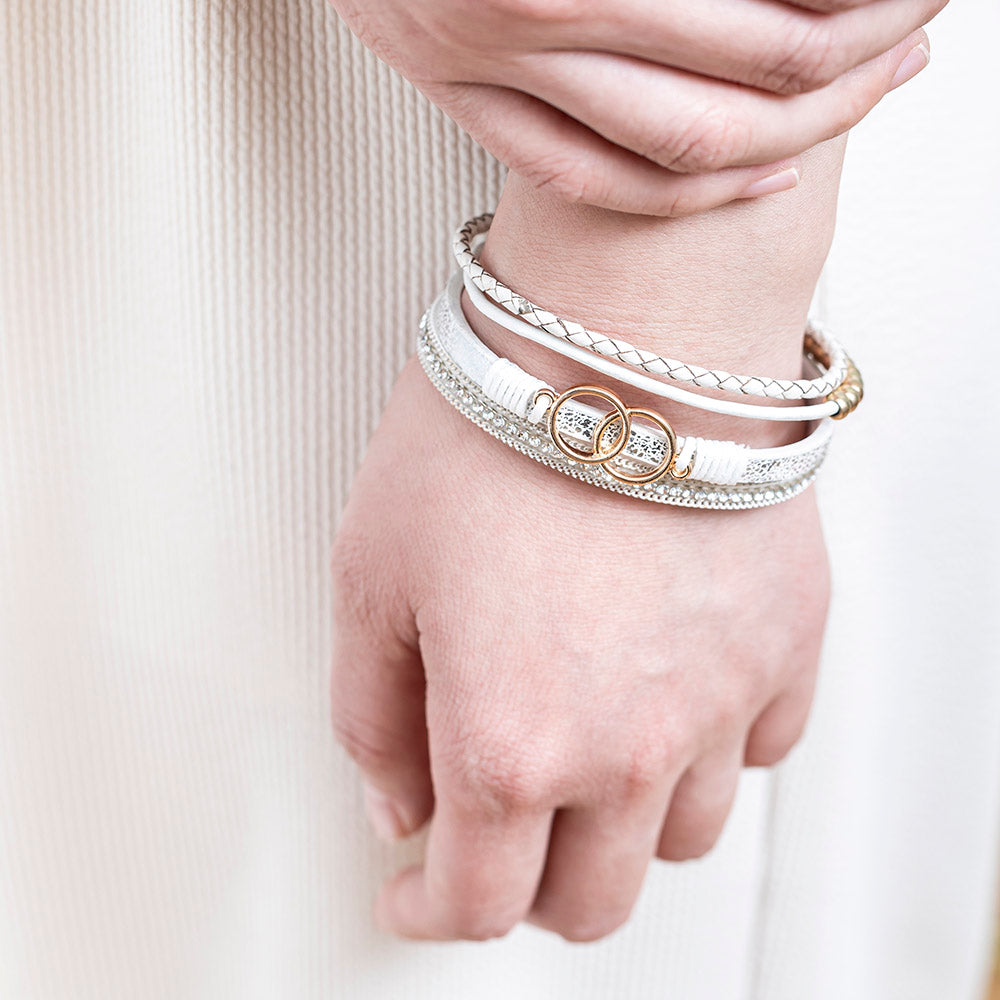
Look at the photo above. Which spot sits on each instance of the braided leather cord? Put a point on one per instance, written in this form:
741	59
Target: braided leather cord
823	350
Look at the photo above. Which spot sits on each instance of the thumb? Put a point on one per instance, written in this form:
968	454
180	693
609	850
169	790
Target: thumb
377	698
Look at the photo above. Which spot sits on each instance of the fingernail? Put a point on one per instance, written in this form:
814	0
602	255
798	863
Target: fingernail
915	61
383	814
783	180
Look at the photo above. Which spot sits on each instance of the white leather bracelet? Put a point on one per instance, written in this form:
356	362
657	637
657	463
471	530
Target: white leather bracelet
731	408
839	379
606	449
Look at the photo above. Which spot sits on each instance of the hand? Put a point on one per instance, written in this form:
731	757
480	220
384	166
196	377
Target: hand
570	680
658	109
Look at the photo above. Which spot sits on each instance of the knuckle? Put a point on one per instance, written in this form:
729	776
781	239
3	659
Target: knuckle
560	175
804	59
713	139
682	200
496	776
643	769
854	109
855	103
728	714
734	704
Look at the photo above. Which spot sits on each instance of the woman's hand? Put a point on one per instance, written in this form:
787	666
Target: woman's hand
570	680
647	107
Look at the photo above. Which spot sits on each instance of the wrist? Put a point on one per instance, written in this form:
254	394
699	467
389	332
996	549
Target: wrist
729	289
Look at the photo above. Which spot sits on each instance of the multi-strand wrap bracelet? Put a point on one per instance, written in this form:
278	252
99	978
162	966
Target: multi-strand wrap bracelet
608	447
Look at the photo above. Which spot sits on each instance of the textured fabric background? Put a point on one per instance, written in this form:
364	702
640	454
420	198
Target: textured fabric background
203	204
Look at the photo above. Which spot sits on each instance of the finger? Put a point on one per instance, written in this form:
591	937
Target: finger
481	869
377	700
834	6
554	152
690	124
700	805
599	852
778	47
780	725
598	857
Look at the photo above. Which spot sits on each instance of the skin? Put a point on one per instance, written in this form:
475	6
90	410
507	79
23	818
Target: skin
729	96
564	681
567	685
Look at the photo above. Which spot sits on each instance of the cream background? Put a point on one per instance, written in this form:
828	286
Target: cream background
203	304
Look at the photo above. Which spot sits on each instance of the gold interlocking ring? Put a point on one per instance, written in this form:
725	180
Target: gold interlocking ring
669	453
622	415
595	457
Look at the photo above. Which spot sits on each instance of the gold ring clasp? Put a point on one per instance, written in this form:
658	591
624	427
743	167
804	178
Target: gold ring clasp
622	415
596	456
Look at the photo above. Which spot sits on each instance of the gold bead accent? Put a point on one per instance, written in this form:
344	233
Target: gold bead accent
814	351
849	393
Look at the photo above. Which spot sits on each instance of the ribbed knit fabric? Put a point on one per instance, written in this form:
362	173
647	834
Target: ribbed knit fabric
219	223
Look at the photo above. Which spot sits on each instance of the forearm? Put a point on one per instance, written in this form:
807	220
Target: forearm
729	288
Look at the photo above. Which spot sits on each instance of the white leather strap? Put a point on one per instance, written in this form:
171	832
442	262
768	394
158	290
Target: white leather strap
510	387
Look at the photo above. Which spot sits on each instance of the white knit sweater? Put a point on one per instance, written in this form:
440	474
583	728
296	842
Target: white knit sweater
203	203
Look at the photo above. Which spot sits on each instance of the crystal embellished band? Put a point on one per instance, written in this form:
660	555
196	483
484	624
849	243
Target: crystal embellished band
606	449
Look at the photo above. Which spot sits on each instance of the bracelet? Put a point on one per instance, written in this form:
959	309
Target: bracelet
839	382
799	412
606	449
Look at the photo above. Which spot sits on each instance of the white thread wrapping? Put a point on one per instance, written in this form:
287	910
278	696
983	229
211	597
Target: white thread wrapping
722	462
513	388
